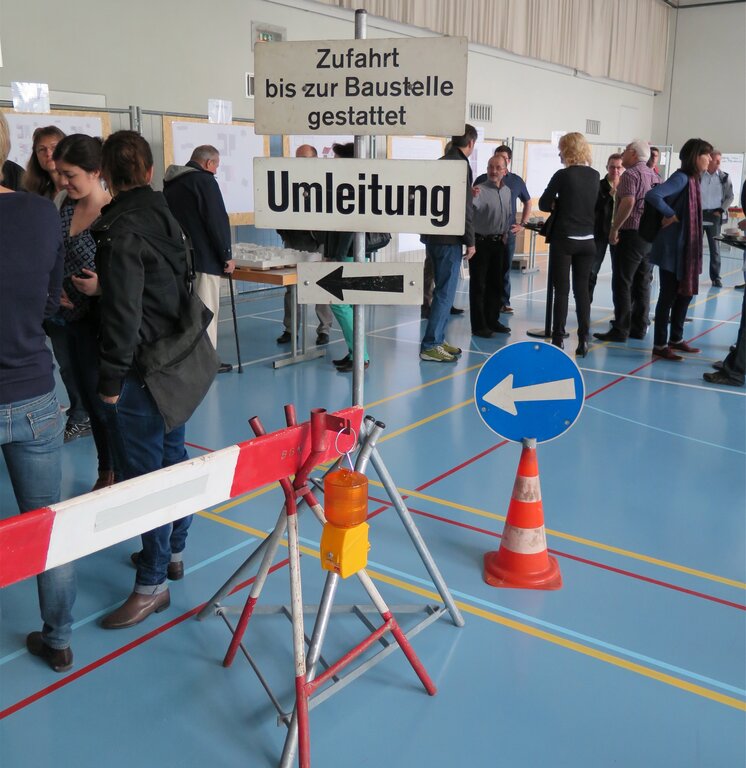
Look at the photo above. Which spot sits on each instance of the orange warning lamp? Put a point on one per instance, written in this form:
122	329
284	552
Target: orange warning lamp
344	542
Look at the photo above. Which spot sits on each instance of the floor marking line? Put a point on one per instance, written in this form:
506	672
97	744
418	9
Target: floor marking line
420	387
576	539
573	645
653	380
426	420
559	553
666	431
23	703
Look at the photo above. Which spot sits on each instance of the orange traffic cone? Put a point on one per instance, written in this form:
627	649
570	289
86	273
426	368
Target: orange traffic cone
522	560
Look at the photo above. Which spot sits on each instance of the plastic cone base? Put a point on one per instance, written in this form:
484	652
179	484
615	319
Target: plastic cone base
496	576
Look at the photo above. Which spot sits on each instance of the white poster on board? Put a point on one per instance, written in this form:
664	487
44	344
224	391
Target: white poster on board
542	162
732	164
22	127
238	146
413	148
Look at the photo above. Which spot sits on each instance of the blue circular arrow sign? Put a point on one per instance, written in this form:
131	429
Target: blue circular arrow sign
529	389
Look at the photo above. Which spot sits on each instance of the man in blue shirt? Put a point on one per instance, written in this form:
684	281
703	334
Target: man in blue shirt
518	191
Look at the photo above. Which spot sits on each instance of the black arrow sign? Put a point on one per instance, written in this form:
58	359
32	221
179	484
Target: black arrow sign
335	284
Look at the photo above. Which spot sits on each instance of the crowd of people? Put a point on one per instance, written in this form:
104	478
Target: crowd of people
112	271
588	216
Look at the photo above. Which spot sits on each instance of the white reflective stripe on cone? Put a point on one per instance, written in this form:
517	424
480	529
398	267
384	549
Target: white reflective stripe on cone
524	541
527	488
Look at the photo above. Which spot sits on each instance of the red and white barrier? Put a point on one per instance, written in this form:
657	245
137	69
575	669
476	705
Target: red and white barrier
45	538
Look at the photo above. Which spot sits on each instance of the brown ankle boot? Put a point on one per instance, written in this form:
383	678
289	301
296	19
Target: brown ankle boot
136	608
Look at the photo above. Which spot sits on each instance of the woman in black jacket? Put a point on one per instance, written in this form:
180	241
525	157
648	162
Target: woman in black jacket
141	266
571	195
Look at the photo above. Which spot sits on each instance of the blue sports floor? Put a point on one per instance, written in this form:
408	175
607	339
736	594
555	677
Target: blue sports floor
638	661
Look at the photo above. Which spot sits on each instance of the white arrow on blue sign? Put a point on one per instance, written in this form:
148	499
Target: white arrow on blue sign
529	390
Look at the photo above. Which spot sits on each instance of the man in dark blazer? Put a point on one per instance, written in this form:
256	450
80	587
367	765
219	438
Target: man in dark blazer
196	202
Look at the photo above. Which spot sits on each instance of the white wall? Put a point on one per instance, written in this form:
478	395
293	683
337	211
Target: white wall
173	55
705	95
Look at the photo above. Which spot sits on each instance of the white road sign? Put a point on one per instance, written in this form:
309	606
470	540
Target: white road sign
358	195
363	87
345	282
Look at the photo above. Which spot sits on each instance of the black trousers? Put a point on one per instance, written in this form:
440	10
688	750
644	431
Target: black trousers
630	284
598	260
735	363
578	255
486	274
671	305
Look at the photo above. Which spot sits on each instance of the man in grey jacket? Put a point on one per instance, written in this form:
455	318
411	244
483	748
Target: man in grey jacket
717	195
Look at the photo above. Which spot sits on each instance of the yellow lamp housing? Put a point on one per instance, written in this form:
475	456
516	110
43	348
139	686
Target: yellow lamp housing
344	550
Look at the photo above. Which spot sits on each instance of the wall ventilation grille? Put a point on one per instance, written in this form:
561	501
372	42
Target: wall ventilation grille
249	85
593	127
480	112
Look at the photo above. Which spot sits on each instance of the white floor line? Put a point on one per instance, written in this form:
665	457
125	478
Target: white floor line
665	431
650	379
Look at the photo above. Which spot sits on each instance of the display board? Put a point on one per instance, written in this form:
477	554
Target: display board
540	162
23	124
483	151
732	164
238	146
413	148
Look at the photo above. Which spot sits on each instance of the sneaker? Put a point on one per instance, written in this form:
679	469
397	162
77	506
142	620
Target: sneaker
74	430
456	311
455	351
321	339
437	355
285	337
717	282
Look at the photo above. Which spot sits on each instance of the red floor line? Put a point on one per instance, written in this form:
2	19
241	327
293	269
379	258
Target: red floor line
584	560
200	447
11	710
622	377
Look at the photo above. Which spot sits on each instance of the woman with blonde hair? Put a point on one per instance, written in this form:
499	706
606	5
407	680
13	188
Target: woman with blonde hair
571	197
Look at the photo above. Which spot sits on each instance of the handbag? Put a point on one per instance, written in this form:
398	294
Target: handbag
546	228
178	369
650	223
374	241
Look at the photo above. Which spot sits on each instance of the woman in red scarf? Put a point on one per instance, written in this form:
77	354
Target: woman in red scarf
677	250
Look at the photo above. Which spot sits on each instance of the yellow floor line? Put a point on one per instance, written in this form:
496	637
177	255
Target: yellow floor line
420	387
527	629
577	539
398	432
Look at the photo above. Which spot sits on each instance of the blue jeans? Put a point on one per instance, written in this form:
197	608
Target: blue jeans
446	262
31	437
140	444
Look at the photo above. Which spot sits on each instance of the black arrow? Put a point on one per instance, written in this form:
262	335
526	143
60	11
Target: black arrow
335	284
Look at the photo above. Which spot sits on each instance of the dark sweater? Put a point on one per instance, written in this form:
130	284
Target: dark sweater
31	259
572	192
194	197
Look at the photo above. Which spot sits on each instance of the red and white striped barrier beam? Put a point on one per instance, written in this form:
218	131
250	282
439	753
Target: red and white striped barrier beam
36	541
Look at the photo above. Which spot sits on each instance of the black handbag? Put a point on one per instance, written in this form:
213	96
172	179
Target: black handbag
546	228
374	241
650	223
178	369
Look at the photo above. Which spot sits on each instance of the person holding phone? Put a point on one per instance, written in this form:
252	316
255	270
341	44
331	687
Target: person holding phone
77	159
